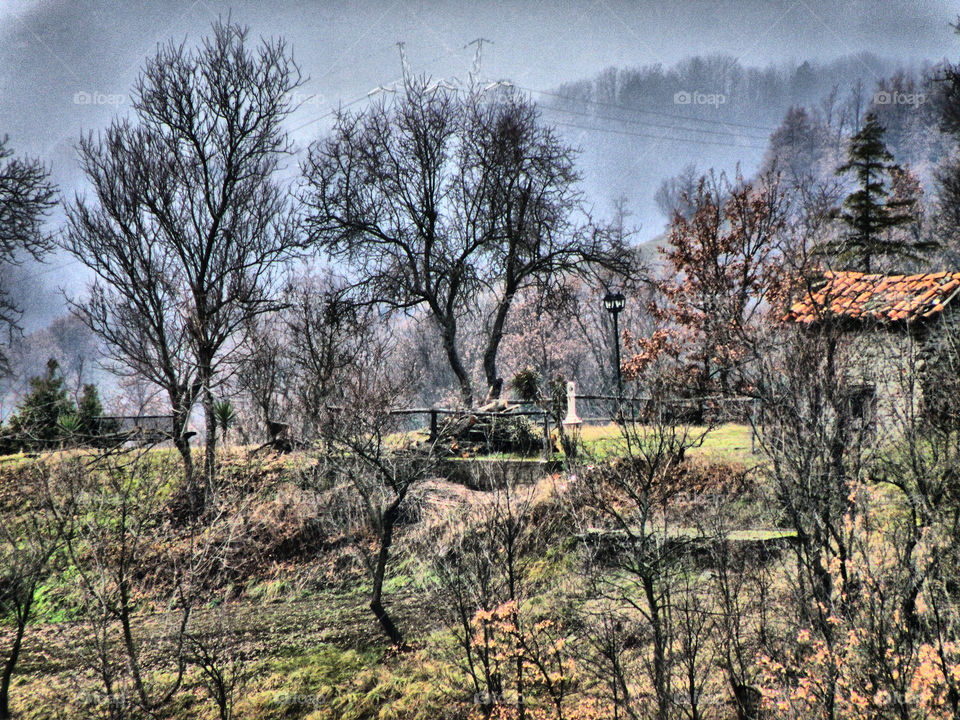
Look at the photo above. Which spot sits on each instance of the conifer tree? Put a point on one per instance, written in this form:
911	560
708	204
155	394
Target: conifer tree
870	213
948	170
36	424
93	429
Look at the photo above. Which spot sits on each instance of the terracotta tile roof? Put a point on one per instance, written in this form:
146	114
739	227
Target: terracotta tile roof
881	298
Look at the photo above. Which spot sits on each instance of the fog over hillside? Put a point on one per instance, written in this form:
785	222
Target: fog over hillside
635	127
644	90
752	52
639	125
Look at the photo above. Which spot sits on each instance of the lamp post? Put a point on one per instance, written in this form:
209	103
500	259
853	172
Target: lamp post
614	303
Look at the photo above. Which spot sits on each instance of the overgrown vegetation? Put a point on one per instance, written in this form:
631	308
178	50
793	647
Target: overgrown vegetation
673	565
48	418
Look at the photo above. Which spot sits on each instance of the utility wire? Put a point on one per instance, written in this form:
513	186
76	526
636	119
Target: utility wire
551	108
627	108
647	123
367	95
662	138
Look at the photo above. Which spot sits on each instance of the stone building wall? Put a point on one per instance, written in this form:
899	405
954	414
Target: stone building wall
902	364
882	359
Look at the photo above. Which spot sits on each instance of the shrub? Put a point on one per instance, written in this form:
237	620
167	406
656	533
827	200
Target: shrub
526	383
515	433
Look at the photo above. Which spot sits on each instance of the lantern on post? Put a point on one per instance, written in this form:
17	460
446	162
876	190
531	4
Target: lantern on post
614	302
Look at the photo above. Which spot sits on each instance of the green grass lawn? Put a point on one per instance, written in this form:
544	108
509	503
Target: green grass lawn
730	442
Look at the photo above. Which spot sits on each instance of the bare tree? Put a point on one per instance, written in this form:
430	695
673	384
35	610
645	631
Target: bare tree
28	541
329	338
264	375
187	221
294	366
223	666
372	473
917	604
437	198
626	501
816	429
876	550
741	585
695	625
26	196
380	480
114	514
483	569
526	206
675	194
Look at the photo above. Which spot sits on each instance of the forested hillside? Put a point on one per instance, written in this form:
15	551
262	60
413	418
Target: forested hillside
639	126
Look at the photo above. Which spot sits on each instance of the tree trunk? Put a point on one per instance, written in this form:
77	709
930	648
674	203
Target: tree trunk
494	382
510	553
210	447
133	660
182	443
660	643
10	665
748	700
205	377
521	700
449	331
386	540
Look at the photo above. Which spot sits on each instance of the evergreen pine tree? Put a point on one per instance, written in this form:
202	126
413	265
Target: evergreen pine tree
870	214
948	170
92	427
89	407
36	423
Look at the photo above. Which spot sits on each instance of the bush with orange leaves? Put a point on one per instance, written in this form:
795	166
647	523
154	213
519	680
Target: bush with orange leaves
530	653
839	676
584	709
890	652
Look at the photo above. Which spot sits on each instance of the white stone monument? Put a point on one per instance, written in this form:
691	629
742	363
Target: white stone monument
572	421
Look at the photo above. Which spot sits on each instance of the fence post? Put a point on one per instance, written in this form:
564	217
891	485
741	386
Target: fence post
547	441
433	424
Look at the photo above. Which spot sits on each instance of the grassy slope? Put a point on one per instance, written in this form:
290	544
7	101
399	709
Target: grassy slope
313	648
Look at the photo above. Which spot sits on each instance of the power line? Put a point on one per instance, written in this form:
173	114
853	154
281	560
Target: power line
662	138
597	129
647	123
627	108
330	113
47	270
367	95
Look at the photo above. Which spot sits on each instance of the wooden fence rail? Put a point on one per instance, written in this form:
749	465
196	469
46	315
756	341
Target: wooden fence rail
544	410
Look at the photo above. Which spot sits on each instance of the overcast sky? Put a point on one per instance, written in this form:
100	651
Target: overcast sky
50	50
53	51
